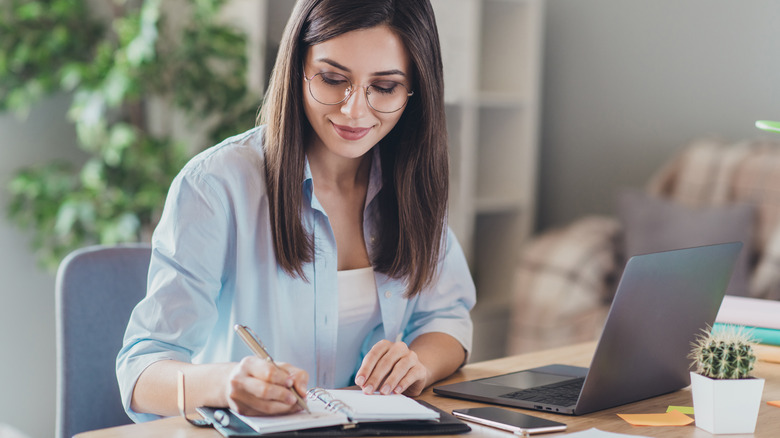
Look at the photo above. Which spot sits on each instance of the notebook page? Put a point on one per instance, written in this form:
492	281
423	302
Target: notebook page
377	407
319	417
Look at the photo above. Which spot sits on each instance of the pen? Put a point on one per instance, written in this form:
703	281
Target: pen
246	334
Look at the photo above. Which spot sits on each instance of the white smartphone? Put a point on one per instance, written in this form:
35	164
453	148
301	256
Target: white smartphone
513	421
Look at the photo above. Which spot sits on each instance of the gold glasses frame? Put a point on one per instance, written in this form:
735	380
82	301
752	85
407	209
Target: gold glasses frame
351	89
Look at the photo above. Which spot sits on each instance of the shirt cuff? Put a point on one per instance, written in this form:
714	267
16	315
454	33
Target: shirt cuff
460	329
128	372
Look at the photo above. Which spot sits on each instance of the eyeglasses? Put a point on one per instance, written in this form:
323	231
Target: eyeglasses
384	96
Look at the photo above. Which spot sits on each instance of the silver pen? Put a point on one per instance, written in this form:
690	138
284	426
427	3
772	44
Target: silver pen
257	347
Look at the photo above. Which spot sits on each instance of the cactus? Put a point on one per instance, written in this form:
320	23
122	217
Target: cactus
725	353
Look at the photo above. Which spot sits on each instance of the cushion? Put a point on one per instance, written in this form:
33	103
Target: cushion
653	224
561	284
765	281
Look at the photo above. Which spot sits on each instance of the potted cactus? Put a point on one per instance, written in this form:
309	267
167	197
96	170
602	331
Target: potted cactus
725	397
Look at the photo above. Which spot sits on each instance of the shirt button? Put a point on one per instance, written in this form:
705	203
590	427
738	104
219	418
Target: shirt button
373	239
388	294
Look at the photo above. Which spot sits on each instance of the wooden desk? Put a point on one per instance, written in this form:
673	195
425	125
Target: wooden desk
607	420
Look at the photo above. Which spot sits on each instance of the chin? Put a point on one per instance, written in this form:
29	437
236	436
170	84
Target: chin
352	152
352	149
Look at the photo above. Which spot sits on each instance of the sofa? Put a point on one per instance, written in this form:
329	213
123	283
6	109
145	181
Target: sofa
711	191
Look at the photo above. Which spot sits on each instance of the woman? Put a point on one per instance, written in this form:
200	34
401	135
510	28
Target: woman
323	230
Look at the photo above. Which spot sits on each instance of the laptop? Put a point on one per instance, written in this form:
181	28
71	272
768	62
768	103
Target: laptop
662	302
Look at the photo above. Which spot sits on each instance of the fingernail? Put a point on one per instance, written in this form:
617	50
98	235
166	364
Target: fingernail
368	389
291	399
385	390
290	382
398	390
360	380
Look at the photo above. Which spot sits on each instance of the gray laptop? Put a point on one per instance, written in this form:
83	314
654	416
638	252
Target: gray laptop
662	302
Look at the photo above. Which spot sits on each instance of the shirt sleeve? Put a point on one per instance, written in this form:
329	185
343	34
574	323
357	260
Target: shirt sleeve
445	306
186	271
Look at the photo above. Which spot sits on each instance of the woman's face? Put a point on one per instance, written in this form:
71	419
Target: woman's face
375	55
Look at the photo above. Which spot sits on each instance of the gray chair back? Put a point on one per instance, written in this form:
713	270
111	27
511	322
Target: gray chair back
97	288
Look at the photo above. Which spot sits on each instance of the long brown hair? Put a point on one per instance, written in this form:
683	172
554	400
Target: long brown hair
413	199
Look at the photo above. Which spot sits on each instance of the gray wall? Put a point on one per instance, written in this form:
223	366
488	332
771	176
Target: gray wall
627	82
27	368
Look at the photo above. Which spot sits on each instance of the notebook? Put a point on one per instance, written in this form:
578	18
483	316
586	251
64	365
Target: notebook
662	302
343	408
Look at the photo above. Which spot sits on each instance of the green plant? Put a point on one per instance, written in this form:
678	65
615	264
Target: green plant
768	125
125	70
724	353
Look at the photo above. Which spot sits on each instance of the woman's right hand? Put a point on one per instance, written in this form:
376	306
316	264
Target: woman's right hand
256	387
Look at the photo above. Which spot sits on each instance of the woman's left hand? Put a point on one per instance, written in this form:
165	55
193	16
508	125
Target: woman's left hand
392	368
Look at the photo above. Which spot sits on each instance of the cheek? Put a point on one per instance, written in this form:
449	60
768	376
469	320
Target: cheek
315	115
390	120
309	109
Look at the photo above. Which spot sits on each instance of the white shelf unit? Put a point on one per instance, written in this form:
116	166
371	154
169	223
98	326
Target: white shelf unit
492	58
492	70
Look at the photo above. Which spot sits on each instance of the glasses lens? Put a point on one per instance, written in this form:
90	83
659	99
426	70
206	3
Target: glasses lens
333	88
387	96
329	88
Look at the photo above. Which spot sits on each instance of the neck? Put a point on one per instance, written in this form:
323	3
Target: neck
337	172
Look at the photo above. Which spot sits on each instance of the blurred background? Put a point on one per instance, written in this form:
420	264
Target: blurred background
554	105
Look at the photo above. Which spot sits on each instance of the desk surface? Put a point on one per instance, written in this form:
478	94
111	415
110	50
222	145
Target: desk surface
607	420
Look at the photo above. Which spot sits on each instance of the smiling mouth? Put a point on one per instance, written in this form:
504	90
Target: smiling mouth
349	133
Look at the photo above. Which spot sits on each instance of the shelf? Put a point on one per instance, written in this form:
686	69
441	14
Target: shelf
497	248
454	115
501	100
502	159
497	204
457	27
508	38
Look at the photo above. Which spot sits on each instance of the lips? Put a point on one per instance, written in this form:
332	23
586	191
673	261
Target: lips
350	133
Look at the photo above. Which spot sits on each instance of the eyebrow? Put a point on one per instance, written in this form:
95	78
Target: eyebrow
378	73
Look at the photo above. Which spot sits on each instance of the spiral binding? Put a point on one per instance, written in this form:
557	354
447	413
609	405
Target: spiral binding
332	404
317	393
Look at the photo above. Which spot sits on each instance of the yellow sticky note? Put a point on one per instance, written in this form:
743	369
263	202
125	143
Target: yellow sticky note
774	403
684	409
672	418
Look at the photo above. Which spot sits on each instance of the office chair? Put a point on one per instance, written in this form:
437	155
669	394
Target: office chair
97	288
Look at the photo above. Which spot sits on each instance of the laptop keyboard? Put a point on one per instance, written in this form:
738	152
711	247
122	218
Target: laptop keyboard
559	393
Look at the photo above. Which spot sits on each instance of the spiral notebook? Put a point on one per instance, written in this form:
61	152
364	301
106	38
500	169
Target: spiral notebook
343	410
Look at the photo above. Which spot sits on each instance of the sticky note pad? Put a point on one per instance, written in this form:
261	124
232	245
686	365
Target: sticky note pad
684	409
672	418
774	403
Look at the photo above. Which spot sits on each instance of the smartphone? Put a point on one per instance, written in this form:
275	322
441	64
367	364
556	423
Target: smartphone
512	421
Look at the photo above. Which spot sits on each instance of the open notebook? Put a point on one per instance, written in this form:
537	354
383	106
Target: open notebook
343	407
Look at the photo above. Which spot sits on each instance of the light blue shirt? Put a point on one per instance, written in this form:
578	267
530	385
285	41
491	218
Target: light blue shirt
213	265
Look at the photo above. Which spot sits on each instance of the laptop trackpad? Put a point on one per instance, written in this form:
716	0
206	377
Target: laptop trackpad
524	379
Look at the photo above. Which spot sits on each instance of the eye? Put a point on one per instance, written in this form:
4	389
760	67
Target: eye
334	79
387	87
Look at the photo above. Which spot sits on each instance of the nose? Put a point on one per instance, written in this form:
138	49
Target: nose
356	104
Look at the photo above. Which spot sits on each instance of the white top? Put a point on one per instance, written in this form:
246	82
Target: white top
358	314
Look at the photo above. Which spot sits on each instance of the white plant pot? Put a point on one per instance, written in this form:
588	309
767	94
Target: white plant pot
726	406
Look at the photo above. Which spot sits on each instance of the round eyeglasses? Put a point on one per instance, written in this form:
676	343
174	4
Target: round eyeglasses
384	96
